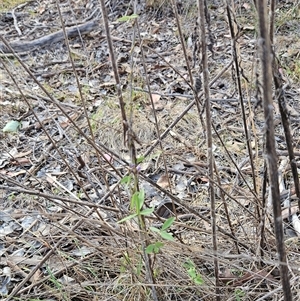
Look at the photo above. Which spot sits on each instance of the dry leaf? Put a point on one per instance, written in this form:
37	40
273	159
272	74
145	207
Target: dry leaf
158	106
163	181
36	276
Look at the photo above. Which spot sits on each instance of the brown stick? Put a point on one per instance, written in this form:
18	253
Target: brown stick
58	36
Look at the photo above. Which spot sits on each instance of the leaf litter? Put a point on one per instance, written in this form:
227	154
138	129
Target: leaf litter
59	229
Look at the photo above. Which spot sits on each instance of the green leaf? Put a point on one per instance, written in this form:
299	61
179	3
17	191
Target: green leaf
137	200
153	229
158	246
192	273
140	199
168	223
154	248
140	159
12	126
198	280
134	200
141	196
166	235
126	180
189	264
150	249
127	18
147	211
239	293
127	218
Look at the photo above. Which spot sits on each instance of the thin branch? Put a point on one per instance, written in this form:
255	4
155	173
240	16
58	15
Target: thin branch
115	69
240	93
202	7
271	157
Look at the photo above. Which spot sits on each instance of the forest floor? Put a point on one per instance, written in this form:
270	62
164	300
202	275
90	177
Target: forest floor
61	187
